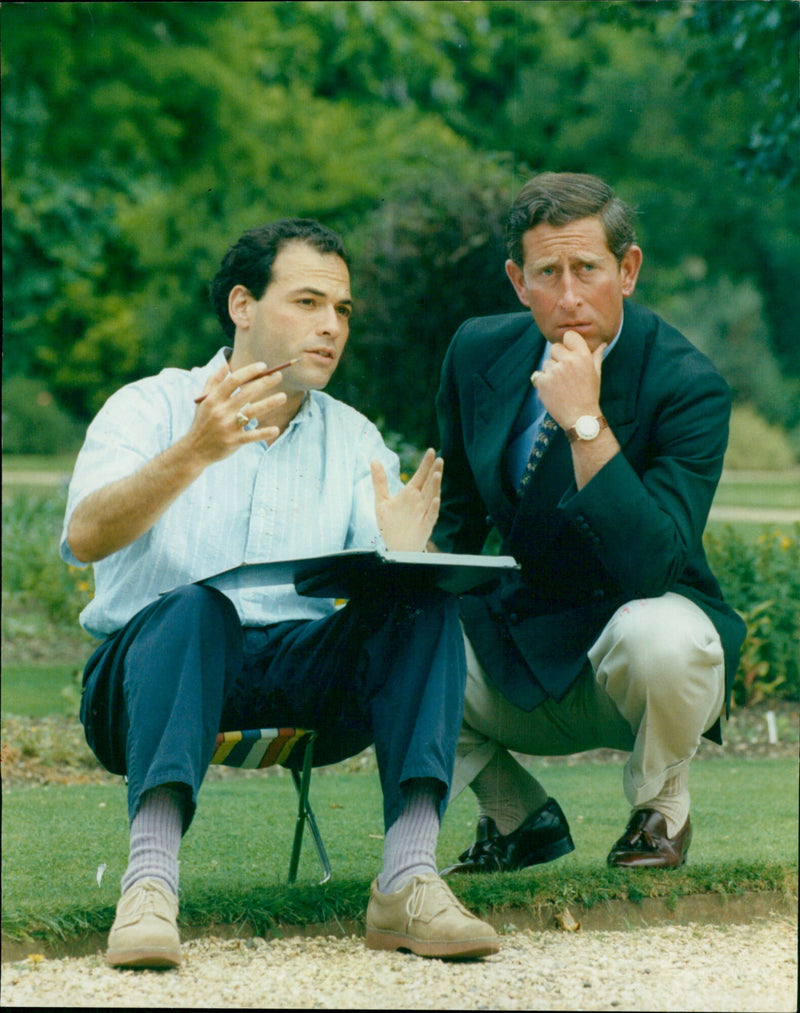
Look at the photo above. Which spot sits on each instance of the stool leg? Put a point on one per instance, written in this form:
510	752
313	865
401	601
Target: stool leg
305	813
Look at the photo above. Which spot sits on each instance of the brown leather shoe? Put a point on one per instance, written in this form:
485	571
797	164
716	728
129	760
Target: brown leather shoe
645	844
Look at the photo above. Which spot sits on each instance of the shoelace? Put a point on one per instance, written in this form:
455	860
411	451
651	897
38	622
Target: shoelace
643	840
146	900
484	853
415	902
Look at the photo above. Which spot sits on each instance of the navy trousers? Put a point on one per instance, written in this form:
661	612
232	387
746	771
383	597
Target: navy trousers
387	670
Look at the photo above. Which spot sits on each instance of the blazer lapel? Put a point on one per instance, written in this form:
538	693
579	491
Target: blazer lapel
621	372
499	393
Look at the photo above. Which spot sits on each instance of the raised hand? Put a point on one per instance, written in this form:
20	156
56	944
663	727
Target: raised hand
236	408
407	519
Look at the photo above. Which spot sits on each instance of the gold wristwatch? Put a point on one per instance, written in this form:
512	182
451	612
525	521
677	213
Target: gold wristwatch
586	427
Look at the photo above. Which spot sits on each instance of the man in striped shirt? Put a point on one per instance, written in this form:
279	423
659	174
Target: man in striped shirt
192	472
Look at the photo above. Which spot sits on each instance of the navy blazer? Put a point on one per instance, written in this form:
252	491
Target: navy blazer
634	531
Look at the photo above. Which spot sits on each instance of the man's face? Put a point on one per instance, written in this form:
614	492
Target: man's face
304	312
571	281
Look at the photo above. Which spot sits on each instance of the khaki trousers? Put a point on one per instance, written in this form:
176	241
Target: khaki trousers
654	683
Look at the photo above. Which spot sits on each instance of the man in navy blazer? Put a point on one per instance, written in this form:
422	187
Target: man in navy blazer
589	434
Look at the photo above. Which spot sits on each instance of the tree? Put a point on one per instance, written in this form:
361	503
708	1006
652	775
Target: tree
430	257
754	46
140	138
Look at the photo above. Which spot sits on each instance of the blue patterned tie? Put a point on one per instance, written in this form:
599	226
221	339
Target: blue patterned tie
542	442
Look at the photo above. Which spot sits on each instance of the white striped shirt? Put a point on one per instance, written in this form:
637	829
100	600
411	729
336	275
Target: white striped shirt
308	493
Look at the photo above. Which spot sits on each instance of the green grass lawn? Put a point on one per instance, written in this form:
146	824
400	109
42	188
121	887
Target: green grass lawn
234	861
780	490
39	690
39	462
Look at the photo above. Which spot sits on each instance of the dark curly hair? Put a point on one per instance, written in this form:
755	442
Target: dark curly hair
249	261
558	198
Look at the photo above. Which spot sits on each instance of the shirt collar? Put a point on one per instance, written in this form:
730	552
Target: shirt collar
616	337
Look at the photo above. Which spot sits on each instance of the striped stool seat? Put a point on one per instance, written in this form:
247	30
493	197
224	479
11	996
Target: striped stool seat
257	748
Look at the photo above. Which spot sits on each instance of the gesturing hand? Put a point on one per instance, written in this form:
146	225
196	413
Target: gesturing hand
407	519
228	402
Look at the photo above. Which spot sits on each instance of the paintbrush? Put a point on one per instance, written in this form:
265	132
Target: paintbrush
267	372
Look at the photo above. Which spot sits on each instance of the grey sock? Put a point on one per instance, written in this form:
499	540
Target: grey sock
410	845
155	838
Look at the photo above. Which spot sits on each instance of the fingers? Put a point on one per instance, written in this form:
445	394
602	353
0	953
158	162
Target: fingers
262	409
427	481
406	520
379	481
429	470
268	434
246	384
243	395
250	383
597	356
571	337
212	383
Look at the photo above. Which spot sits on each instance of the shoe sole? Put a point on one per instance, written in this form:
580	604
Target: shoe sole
145	958
638	862
456	950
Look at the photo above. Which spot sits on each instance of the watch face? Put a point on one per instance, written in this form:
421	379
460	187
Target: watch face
587	427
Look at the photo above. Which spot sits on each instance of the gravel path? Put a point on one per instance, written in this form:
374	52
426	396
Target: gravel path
692	967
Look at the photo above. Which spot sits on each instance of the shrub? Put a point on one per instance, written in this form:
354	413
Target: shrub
761	581
755	444
33	423
32	567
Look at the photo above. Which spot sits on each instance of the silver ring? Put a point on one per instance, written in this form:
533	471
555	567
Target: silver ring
242	419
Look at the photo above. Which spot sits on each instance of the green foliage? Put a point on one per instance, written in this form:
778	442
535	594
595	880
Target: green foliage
758	45
755	444
727	321
161	131
33	423
140	139
32	568
416	260
761	581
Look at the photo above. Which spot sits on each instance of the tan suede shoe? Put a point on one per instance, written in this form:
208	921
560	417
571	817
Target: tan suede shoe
425	918
145	931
